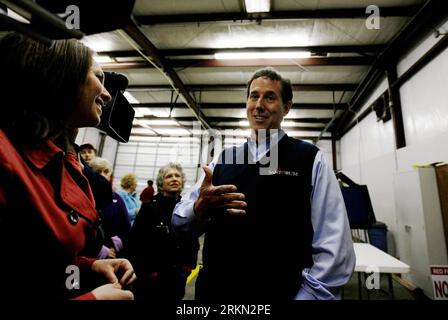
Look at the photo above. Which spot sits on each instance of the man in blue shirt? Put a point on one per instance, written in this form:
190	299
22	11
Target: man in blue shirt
272	211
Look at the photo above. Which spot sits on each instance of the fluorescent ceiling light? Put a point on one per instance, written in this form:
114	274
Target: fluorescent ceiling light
235	133
293	133
172	132
130	97
14	15
138	114
158	112
144	111
263	55
285	124
147	131
99	42
161	122
257	5
288	124
188	141
103	59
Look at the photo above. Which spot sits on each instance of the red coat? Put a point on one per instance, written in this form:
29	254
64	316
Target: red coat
47	221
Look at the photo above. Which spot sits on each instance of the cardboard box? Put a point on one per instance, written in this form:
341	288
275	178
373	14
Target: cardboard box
442	184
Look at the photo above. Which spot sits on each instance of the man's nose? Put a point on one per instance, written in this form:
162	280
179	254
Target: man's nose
259	104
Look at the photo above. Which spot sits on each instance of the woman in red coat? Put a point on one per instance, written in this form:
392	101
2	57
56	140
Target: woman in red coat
48	222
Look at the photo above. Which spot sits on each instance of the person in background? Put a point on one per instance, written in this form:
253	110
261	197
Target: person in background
162	260
147	193
100	185
129	195
114	217
87	152
48	220
275	224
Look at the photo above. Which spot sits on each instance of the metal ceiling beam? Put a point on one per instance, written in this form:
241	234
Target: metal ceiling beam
148	47
233	127
230	119
362	49
312	106
347	13
432	13
155	136
397	115
220	127
210	63
243	87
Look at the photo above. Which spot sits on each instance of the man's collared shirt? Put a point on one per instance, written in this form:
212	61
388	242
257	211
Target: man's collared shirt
333	254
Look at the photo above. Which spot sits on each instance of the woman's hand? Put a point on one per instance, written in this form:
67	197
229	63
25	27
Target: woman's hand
112	292
114	268
112	253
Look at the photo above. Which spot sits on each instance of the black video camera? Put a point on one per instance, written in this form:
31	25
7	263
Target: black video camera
118	114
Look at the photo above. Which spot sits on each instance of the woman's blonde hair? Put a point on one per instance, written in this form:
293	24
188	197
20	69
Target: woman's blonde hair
128	180
100	165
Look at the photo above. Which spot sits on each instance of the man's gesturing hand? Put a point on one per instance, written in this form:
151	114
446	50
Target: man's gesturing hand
216	197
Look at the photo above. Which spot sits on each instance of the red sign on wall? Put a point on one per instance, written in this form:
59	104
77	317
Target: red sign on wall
440	282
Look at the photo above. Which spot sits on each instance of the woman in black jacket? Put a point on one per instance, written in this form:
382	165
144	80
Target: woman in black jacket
162	260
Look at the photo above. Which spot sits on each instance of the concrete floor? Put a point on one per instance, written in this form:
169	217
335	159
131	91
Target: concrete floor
351	291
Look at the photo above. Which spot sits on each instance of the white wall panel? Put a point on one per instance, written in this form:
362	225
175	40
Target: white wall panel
144	159
428	151
382	86
415	54
368	154
377	174
110	149
424	100
88	135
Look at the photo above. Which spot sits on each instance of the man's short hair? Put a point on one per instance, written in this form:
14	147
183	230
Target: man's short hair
271	73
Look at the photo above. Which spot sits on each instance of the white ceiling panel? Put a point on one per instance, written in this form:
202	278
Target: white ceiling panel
168	7
163	7
271	33
244	33
284	124
147	76
238	97
297	74
108	41
281	5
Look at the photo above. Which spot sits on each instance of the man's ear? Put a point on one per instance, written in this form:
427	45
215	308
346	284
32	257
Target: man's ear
287	106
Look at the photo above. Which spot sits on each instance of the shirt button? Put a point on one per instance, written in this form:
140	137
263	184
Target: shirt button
73	217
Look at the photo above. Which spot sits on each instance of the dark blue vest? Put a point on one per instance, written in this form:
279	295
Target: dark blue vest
262	254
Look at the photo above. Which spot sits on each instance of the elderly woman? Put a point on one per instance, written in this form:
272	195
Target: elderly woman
162	260
129	185
114	217
48	221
